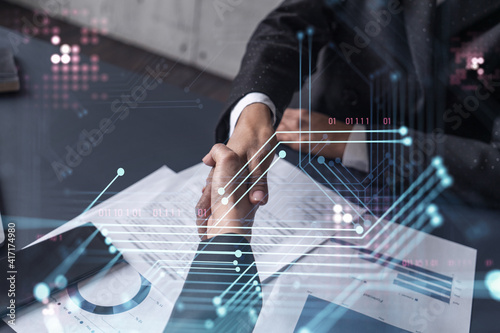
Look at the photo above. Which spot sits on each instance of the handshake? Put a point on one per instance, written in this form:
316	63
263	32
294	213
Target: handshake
224	207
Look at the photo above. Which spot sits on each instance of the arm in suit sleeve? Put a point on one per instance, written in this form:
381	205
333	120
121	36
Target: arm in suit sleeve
271	61
222	290
474	165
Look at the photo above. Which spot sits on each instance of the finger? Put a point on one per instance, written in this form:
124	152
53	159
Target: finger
259	194
204	206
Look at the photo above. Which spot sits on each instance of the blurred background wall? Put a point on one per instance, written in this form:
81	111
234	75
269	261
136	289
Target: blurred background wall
208	34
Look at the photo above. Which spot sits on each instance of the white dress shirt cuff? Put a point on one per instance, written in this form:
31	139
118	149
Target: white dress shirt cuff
356	154
251	98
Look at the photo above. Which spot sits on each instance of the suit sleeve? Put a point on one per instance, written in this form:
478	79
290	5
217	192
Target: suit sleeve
222	292
473	165
271	61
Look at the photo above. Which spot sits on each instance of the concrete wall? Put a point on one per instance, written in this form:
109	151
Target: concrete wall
208	34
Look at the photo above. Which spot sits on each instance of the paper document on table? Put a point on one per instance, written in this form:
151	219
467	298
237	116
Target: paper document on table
396	279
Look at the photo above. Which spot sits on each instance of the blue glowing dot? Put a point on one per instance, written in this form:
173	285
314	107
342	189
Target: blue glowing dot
216	300
437	161
112	249
221	191
359	230
180	306
209	324
255	282
310	30
407	141
441	172
394	76
492	282
237	253
447	181
107	241
403	130
436	221
282	154
321	160
304	330
235	262
221	311
431	209
331	163
41	291
224	201
237	269
61	282
104	232
300	35
257	289
338	160
120	172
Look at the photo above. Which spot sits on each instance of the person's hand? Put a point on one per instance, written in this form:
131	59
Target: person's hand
229	210
251	137
291	120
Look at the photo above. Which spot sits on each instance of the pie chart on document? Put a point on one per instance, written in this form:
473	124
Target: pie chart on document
121	289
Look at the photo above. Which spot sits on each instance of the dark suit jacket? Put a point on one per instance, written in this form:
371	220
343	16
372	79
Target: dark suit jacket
406	60
222	290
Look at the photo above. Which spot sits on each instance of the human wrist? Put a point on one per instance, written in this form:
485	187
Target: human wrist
255	117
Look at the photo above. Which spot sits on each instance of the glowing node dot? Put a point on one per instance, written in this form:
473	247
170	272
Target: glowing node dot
107	241
61	282
237	269
347	218
437	161
104	232
492	282
65	59
337	218
120	172
304	330
41	291
55	40
447	181
359	230
337	208
257	289
431	209
282	154
436	221
407	141
112	249
224	201
55	59
321	160
221	311
300	35
209	324
216	300
403	130
255	282
237	253
221	191
235	262
65	49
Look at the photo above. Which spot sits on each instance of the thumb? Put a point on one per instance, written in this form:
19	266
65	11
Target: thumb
259	193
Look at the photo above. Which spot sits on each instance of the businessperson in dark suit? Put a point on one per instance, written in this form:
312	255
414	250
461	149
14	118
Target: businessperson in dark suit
222	291
430	66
